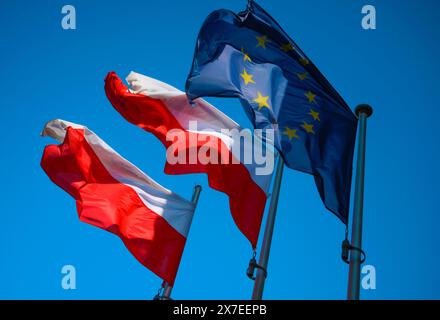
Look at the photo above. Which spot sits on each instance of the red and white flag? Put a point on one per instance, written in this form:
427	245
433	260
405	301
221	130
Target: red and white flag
113	194
161	109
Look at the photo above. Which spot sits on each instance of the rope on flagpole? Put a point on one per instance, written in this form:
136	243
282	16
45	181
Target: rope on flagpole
159	292
250	272
347	247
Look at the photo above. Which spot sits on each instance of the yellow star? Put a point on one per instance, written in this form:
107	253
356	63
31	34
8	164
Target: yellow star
246	56
291	133
302	76
304	61
247	77
262	41
311	96
286	47
308	127
262	101
314	114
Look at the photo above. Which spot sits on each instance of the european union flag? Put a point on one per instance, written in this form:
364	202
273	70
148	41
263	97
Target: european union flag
248	55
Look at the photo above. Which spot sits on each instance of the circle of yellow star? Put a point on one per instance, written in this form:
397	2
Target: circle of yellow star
314	114
311	96
308	127
302	76
246	56
262	41
286	47
290	133
262	101
304	61
247	77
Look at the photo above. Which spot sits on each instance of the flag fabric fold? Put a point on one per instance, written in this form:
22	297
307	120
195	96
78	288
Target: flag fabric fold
160	109
249	56
114	195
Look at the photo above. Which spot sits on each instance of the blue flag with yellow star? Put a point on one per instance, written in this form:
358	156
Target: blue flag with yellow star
249	56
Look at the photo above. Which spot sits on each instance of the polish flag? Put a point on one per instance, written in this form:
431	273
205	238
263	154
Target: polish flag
113	194
159	108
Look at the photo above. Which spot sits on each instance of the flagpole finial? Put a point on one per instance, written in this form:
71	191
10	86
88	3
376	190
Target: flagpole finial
364	108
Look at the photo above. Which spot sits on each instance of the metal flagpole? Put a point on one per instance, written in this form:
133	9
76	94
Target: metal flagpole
257	294
166	295
363	111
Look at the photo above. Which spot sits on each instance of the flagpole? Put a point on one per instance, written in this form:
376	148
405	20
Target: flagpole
166	295
363	111
257	293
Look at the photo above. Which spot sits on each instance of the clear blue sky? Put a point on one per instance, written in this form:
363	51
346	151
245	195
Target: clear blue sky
48	72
